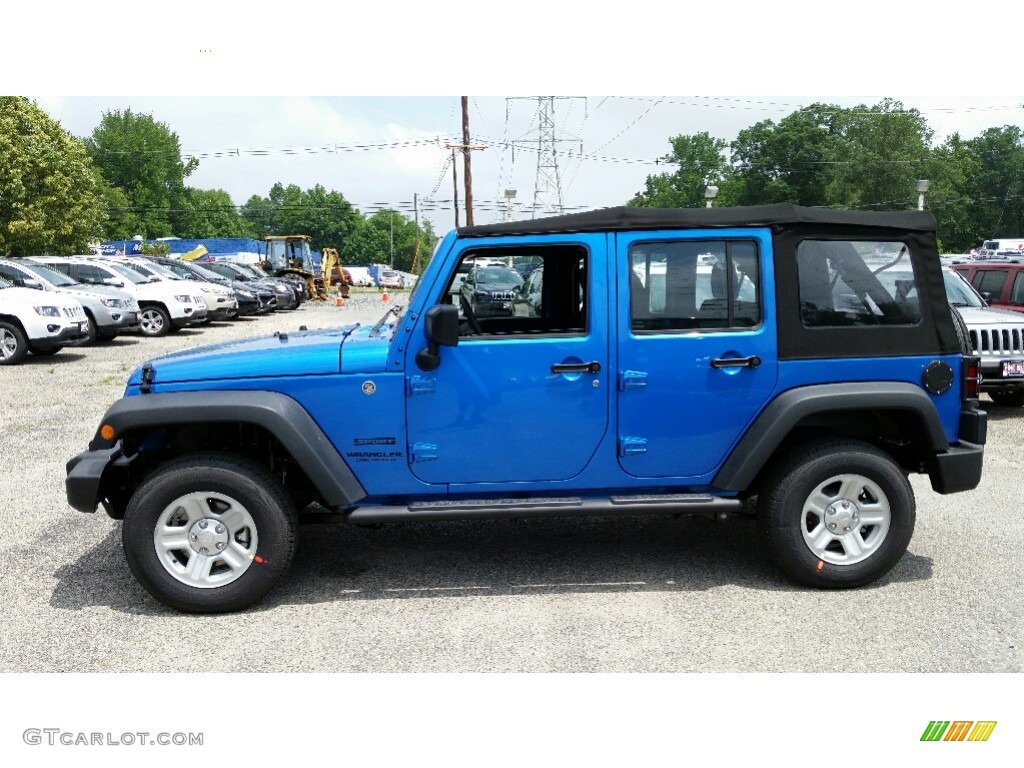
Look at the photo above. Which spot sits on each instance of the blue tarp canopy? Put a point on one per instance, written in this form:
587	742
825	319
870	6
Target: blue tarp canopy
179	246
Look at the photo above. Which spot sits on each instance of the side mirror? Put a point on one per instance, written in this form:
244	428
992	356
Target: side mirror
113	281
441	327
32	283
986	295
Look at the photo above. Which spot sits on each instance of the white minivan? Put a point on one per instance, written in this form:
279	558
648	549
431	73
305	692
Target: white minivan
163	307
38	322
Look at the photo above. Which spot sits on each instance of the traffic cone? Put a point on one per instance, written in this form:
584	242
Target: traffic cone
385	296
339	300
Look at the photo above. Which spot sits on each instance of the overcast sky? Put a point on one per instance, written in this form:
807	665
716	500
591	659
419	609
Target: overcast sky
215	68
380	151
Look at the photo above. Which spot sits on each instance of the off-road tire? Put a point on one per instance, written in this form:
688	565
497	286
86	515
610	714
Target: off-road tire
223	476
792	502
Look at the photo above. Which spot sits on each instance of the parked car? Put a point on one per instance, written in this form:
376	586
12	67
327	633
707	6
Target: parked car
111	311
284	294
247	302
361	277
784	403
163	308
489	291
295	282
1000	283
389	278
39	322
220	301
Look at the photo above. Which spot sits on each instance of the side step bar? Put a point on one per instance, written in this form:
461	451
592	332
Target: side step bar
485	509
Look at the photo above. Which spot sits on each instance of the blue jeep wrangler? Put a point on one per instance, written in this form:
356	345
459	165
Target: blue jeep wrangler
690	361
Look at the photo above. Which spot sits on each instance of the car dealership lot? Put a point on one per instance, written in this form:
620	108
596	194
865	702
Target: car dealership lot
594	594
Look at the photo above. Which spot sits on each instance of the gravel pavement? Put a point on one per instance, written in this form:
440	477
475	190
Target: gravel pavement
645	594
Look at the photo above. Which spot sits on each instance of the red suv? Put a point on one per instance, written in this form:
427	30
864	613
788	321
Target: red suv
1001	283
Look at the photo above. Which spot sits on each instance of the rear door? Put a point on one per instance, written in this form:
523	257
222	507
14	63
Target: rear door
697	346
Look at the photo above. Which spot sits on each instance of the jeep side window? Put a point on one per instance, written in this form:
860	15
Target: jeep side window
693	284
844	283
512	291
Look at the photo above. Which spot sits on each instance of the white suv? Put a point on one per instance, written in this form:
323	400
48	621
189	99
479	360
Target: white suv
41	323
110	310
221	303
163	307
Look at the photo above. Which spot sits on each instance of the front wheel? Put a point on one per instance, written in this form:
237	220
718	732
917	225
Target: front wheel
836	514
154	321
13	344
209	533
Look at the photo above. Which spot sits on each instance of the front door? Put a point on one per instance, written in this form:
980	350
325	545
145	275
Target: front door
697	345
524	397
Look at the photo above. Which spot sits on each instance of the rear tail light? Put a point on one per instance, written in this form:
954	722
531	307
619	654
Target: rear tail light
972	378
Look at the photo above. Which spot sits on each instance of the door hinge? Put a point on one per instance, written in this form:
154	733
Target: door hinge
420	385
632	380
419	452
632	446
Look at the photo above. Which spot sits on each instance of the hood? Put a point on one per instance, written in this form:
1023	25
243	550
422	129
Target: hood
299	353
989	316
31	297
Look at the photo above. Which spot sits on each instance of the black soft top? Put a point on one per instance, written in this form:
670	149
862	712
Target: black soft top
777	215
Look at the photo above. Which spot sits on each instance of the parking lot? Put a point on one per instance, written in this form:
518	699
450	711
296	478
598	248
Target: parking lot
644	594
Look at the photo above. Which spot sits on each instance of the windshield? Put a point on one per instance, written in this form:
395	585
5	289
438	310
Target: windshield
52	276
131	274
959	291
206	273
163	271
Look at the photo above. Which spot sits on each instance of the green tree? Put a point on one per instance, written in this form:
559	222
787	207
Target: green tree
887	150
142	158
210	213
49	201
793	161
998	186
326	216
700	163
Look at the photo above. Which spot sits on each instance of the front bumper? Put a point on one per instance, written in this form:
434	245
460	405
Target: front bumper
85	475
70	335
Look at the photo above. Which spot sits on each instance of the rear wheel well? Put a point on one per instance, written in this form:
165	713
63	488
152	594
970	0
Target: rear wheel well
153	447
899	433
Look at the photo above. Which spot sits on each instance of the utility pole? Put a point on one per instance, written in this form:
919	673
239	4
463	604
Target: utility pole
467	176
416	219
455	183
465	147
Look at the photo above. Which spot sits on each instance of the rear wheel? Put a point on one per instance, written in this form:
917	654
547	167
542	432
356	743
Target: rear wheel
209	533
836	514
13	345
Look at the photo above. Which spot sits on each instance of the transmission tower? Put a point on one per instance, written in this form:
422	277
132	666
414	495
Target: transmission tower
547	193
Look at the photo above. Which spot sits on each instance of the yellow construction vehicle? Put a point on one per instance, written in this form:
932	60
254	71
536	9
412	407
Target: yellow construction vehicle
329	262
290	255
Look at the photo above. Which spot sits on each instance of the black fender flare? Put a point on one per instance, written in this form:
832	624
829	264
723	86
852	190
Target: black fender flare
282	416
774	423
